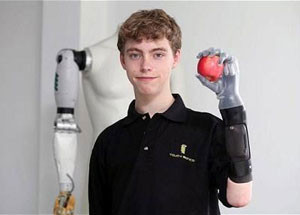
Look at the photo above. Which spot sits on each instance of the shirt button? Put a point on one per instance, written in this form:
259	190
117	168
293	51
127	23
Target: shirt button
144	117
146	148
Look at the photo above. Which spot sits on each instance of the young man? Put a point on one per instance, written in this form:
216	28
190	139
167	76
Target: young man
164	158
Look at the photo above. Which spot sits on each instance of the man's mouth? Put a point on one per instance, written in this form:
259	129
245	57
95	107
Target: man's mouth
145	78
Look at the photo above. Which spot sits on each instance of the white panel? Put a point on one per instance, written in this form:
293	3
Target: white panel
20	24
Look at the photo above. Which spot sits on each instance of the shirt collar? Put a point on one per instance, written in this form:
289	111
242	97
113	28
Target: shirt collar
176	112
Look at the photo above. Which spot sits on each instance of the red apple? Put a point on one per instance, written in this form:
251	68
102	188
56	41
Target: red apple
210	68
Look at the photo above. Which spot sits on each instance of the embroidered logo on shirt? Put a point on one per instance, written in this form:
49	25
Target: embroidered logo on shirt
182	155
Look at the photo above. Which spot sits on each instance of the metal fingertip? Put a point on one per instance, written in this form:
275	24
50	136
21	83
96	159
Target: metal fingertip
229	59
218	52
211	52
205	53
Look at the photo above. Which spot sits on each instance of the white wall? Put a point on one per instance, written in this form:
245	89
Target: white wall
20	55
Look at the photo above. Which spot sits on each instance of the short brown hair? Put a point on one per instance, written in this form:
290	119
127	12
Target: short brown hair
150	24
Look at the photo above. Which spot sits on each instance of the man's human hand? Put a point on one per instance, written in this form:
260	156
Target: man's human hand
227	87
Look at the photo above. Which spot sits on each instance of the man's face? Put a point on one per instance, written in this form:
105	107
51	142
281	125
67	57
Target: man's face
149	64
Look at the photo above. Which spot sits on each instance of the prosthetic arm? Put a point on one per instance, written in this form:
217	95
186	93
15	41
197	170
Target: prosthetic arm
69	62
233	114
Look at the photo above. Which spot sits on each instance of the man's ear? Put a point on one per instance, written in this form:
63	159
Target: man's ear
177	57
122	60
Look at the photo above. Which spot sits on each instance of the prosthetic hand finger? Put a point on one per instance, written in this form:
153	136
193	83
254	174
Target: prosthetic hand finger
209	52
211	85
230	68
234	65
231	64
206	52
223	56
226	70
200	55
214	52
203	53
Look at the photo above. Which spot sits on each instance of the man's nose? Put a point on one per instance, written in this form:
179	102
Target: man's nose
146	65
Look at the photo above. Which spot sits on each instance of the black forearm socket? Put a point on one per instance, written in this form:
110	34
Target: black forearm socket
234	116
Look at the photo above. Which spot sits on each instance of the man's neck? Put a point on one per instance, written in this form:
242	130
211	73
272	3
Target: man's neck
153	104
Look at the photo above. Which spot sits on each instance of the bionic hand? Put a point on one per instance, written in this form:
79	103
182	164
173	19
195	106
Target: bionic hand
233	114
227	87
69	62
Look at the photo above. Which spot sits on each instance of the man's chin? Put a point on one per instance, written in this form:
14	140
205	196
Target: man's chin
147	93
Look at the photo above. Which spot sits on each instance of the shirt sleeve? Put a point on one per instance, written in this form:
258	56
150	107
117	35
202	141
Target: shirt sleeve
220	162
98	184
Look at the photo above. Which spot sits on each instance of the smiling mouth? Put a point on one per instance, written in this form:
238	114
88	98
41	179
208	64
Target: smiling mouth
146	78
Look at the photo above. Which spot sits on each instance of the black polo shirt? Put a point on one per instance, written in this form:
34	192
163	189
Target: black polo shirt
174	163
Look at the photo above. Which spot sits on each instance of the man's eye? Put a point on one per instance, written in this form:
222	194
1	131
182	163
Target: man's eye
158	55
134	56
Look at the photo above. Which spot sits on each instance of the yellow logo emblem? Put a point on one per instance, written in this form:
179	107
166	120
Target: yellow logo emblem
182	149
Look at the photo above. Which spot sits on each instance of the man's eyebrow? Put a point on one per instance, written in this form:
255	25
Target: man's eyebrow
152	50
159	49
133	49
